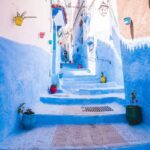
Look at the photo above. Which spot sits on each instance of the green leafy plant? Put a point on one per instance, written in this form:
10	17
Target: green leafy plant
29	112
133	98
22	110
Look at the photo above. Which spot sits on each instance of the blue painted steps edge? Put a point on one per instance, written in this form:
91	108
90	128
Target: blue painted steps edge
43	120
95	92
145	146
81	101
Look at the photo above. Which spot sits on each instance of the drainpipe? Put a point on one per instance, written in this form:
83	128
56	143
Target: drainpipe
78	13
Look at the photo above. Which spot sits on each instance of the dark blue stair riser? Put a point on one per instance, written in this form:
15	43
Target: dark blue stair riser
74	101
43	120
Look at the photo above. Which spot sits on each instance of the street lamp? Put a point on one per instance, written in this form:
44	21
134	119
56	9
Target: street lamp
103	9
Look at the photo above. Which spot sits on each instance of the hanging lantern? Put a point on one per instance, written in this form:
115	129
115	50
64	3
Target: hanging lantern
103	9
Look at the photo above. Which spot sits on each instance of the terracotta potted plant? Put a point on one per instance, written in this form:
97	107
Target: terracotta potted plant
28	120
53	89
133	111
41	35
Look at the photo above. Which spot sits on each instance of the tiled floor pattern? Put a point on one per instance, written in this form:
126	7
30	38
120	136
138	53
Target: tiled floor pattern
89	137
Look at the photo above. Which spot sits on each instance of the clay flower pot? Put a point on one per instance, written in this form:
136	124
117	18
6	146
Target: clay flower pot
134	114
41	35
28	119
18	20
53	89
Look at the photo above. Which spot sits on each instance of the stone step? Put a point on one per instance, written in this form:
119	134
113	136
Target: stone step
80	77
75	73
68	65
82	85
70	81
63	114
99	91
74	99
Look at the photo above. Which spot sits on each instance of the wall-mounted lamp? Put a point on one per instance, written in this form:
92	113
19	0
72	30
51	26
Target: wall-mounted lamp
103	9
90	43
127	20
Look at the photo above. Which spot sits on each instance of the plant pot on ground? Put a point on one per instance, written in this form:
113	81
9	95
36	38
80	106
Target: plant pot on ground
28	120
133	111
133	114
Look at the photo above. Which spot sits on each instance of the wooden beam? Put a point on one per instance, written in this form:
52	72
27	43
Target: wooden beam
92	3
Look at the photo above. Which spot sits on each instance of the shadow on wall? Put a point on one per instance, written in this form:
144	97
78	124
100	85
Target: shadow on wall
137	76
109	63
24	75
132	29
105	60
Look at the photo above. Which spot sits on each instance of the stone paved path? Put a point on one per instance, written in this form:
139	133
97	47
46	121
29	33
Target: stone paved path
89	137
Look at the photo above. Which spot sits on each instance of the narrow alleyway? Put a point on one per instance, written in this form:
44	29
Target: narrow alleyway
85	114
69	78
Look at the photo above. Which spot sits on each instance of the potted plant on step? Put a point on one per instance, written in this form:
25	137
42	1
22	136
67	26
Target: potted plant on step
133	111
53	89
28	117
103	78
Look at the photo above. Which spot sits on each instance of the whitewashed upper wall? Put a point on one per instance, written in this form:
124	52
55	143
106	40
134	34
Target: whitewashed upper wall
28	33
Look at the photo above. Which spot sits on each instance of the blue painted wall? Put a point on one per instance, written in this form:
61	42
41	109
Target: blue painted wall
136	68
136	72
80	57
24	76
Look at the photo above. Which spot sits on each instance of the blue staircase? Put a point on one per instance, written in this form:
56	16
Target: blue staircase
81	89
